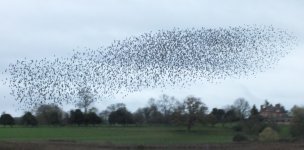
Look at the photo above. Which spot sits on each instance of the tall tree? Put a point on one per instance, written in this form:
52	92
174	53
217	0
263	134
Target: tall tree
195	110
139	116
114	107
104	115
29	119
92	118
152	112
219	114
166	106
49	114
211	119
254	113
179	115
76	117
87	98
231	114
242	107
297	123
7	119
121	116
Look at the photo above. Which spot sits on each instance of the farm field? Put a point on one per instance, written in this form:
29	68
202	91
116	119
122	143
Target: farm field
131	137
120	135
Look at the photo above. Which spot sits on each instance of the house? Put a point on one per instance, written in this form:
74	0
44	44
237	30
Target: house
275	113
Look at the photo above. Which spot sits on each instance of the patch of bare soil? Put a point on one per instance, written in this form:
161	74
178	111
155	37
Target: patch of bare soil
73	145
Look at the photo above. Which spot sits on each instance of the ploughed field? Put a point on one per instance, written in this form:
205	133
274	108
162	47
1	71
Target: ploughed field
57	145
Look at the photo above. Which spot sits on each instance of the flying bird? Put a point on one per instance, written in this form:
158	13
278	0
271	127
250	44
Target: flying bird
160	59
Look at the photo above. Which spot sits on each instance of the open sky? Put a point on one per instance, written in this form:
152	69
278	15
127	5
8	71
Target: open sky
36	29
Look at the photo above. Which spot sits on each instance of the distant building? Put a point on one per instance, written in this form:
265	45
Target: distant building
275	113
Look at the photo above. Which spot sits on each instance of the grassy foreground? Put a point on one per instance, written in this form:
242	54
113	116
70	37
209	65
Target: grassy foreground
146	137
120	135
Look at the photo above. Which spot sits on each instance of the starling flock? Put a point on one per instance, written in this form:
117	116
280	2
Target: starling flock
166	58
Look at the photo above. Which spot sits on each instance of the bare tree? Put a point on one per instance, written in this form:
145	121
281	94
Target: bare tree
87	98
114	107
242	107
166	106
152	113
195	109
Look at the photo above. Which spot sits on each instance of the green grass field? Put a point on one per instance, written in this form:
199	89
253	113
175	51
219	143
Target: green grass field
121	135
124	135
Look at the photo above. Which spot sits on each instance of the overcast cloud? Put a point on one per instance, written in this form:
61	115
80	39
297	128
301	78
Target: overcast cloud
37	29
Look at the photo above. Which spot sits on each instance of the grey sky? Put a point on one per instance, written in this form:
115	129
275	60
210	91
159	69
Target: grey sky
36	29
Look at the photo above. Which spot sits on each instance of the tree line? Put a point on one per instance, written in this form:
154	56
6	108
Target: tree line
165	110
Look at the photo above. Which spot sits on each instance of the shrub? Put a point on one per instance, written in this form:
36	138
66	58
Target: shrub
29	119
268	134
240	138
297	123
7	119
238	128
